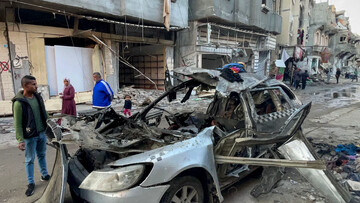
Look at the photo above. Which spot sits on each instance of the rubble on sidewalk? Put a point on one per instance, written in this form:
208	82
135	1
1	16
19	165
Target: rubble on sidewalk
344	162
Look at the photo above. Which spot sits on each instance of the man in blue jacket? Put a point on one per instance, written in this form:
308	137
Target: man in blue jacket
102	92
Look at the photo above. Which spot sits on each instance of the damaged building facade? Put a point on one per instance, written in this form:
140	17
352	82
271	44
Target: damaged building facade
316	37
56	39
331	39
322	27
294	38
128	42
344	44
223	32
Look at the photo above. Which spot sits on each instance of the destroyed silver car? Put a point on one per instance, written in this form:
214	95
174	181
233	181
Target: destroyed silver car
194	156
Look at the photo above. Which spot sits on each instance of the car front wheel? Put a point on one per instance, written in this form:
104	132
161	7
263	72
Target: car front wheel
185	189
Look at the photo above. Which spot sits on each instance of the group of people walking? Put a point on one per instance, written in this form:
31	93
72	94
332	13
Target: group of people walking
30	119
338	74
300	76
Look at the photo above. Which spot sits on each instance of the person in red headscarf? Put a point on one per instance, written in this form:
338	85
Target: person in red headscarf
68	102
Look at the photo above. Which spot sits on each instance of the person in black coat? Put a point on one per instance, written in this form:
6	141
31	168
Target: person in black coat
304	77
297	77
337	75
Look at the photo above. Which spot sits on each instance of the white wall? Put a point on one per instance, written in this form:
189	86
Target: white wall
69	62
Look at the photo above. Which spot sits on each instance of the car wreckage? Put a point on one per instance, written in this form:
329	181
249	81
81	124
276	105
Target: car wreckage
248	124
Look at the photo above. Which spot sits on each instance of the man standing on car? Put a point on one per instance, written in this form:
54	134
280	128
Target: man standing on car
102	93
30	124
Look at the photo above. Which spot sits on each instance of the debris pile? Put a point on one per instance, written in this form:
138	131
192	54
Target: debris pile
344	162
140	98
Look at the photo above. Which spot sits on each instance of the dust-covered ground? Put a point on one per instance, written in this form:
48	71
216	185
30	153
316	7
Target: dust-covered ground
334	119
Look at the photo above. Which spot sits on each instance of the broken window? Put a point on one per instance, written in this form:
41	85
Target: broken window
227	112
270	109
269	101
317	38
213	61
342	38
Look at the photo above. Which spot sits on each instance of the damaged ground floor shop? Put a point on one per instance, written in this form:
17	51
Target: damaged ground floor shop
52	54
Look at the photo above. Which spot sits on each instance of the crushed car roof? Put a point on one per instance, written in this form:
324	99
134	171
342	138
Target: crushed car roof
213	78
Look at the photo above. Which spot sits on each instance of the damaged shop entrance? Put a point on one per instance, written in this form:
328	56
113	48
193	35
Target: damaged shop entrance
189	154
151	60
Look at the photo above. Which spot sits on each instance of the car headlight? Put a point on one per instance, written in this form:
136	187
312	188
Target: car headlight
113	180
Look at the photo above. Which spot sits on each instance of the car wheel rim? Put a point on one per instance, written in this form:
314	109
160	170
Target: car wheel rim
186	194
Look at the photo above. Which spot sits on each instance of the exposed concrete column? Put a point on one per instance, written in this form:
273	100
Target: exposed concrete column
111	69
255	63
169	57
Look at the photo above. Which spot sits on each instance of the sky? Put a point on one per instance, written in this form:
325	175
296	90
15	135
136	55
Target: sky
352	10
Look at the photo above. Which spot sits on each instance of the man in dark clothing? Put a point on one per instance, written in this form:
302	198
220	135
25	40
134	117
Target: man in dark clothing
297	78
30	124
304	77
337	75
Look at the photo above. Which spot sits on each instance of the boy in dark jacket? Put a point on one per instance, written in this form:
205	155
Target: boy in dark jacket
127	105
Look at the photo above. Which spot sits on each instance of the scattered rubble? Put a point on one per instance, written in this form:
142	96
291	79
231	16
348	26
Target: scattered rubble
140	98
344	162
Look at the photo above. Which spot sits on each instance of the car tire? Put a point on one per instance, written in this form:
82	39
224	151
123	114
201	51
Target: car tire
183	188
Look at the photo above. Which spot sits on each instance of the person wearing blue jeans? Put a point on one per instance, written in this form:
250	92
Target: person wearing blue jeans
30	124
35	145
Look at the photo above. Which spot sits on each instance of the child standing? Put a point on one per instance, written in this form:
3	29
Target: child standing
127	105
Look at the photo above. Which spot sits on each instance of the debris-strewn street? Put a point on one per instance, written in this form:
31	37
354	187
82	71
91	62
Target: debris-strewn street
332	121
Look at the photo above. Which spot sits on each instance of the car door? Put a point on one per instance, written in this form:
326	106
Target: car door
261	131
55	190
273	114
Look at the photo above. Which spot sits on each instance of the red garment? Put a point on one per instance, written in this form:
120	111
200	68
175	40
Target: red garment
68	103
127	111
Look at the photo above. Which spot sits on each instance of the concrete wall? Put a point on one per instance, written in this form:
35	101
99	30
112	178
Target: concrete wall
236	12
112	65
291	17
231	11
322	18
319	14
286	14
185	49
150	10
270	21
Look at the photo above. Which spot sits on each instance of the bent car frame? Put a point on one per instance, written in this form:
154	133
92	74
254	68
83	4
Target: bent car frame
192	156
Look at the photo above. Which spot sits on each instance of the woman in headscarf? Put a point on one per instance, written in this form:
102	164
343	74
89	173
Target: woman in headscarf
68	102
